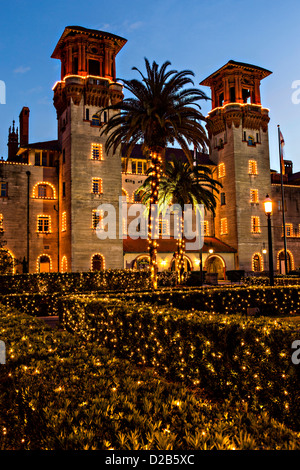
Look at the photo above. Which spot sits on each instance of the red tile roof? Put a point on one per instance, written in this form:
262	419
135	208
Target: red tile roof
169	245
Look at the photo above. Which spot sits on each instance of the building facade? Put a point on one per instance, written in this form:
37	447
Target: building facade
51	191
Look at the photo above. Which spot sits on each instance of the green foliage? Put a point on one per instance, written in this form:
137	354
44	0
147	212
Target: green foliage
230	355
63	283
60	393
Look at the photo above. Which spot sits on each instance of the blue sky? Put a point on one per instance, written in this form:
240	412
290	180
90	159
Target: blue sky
194	34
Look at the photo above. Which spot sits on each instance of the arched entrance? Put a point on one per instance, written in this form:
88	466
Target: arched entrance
141	262
281	261
187	264
216	264
97	262
44	264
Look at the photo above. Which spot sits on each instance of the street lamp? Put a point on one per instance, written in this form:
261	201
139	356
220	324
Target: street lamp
268	204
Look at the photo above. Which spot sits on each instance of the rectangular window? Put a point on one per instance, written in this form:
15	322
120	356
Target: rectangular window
44	223
4	189
97	152
254	196
97	186
64	189
221	170
255	224
42	190
252	167
133	167
87	114
140	167
37	159
163	227
224	226
64	222
97	218
1	223
288	230
206	228
64	156
223	199
44	159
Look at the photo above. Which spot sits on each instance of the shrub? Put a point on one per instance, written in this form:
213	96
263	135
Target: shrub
58	393
228	355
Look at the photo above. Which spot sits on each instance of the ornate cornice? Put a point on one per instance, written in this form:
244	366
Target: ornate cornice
249	116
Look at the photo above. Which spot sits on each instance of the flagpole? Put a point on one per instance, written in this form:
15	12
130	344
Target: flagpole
282	199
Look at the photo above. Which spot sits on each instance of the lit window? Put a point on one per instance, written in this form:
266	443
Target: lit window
44	223
163	227
97	186
224	226
64	222
221	170
255	224
206	228
97	218
288	230
257	262
43	190
252	167
254	196
4	187
97	152
64	264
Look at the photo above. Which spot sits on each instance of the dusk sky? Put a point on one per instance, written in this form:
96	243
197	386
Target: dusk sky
195	34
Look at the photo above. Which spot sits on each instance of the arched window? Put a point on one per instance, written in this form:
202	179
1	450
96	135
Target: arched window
257	263
44	264
44	190
281	261
97	262
95	120
64	264
251	140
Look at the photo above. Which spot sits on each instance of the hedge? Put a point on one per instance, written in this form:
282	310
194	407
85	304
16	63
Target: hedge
228	355
64	283
283	300
271	301
57	393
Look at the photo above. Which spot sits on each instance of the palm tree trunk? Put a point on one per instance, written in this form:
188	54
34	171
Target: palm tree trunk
152	243
180	254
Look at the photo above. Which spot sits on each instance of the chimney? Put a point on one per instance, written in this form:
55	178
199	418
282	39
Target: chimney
24	126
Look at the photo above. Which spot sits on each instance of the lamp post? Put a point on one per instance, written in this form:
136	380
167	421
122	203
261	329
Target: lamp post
268	204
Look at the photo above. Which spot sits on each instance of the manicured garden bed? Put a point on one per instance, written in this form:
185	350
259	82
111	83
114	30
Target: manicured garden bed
58	392
230	355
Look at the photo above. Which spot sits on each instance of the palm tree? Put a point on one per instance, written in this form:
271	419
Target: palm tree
182	184
163	110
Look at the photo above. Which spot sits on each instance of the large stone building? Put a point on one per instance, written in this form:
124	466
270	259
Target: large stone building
51	191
